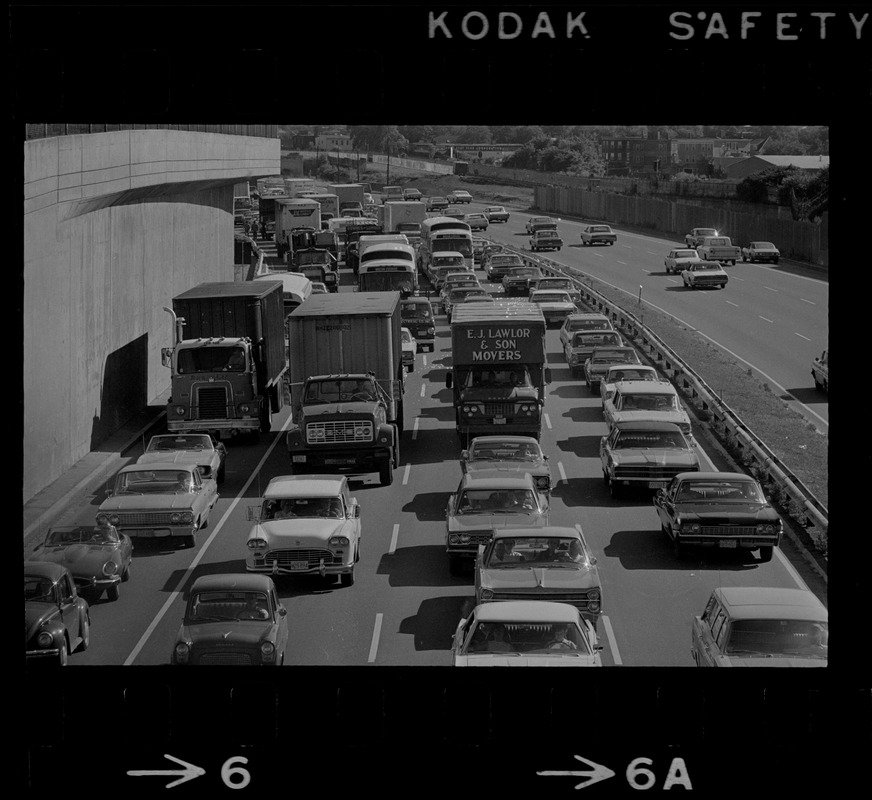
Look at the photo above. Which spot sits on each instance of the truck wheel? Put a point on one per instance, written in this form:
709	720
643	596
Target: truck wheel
765	554
455	565
396	453
386	472
774	260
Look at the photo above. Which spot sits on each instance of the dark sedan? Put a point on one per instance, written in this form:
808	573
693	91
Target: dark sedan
57	619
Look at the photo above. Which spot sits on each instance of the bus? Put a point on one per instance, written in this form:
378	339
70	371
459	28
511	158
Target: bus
297	288
388	267
343	226
444	233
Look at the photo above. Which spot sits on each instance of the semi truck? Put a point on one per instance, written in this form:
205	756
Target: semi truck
350	195
228	363
292	213
499	369
405	217
347	383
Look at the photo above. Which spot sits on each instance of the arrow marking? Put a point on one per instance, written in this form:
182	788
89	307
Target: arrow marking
592	776
189	771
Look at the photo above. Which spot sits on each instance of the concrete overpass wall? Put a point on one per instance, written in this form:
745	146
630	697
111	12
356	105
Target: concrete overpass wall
115	225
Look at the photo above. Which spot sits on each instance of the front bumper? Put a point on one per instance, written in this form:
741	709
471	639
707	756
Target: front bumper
221	426
727	542
341	461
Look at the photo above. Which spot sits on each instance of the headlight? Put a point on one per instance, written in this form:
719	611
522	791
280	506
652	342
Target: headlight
766	529
431	330
182	651
690	527
316	433
361	431
487	594
453	539
256	544
180	411
464	538
244	408
102	519
338	540
45	639
114	519
593	596
543	482
267	650
110	568
182	517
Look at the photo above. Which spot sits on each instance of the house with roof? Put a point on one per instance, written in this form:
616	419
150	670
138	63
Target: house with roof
742	167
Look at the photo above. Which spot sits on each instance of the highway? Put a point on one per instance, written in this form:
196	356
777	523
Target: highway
404	605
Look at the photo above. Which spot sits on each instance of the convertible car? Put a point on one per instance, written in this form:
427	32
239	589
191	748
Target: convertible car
97	556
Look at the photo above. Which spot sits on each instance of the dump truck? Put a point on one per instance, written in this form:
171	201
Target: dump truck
499	369
228	363
347	383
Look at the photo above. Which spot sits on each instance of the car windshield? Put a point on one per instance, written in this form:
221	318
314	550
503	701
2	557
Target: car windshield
294	507
334	390
615	357
631	375
490	377
37	587
595	324
407	336
706	232
412	310
778	637
720	491
686	254
643	440
215	606
95	535
154	481
550	297
504	451
600	229
506	261
558	284
649	402
494	208
211	359
591	339
194	441
447	261
539	551
528	638
704	267
763	245
501	501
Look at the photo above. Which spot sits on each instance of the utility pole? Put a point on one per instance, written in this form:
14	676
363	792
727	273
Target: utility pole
388	178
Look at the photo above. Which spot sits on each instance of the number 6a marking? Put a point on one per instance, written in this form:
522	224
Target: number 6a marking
235	777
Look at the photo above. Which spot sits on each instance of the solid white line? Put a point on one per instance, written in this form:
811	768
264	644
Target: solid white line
415	429
801	336
623	262
547	421
810	302
765	319
202	551
613	645
561	471
373	648
771	289
423	389
731	303
394	534
424	359
406	474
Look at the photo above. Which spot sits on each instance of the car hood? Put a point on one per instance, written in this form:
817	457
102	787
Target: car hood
306	530
653	456
36	613
558	579
736	513
511	467
519	660
227	632
677	417
81	559
149	502
177	457
770	661
358	407
486	521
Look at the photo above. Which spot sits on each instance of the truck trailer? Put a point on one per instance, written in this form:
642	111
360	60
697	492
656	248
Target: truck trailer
499	369
350	196
405	217
347	383
228	362
292	213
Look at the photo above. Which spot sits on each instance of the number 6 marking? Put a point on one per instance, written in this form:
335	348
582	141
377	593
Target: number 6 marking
229	772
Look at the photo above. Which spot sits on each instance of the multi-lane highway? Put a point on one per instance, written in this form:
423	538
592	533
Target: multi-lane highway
405	605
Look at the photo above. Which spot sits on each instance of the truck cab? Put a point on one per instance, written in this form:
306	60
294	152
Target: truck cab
317	265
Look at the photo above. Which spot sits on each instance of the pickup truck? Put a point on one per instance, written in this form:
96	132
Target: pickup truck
695	237
820	371
719	248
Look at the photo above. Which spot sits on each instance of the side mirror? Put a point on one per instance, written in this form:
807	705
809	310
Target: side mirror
355	512
253	514
109	493
282	611
166	356
449	380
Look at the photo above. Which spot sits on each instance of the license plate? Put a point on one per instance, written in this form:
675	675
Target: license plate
339	461
727	543
299	565
153	534
499	420
299	459
657	484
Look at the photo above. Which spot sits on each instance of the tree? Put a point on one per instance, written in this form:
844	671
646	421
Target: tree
475	134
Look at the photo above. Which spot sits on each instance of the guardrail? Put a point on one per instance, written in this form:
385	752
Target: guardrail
800	503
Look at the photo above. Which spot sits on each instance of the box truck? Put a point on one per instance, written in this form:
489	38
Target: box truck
292	213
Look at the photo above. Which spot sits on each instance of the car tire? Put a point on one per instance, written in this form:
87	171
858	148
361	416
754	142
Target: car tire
86	635
605	478
190	541
125	576
219	478
63	654
774	260
347	578
766	554
677	548
615	489
386	473
113	592
455	565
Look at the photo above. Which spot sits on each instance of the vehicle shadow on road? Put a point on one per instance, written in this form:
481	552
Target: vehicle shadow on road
428	506
434	625
585	414
420	565
581	446
652	550
573	391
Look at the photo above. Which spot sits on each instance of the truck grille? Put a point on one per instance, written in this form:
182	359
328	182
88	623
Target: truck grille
145	519
339	431
499	409
311	556
212	402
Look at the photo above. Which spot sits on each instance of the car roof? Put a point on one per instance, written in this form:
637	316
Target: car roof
527	611
232	580
585	315
44	569
497	479
305	485
710	476
646	387
646	425
754	602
